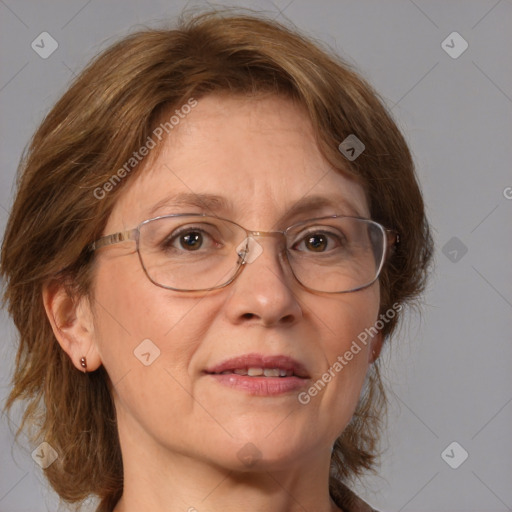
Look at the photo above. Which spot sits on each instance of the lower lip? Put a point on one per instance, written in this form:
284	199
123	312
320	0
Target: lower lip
260	386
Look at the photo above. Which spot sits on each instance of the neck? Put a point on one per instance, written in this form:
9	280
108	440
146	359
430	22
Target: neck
159	480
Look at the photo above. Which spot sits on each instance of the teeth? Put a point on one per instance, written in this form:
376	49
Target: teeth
260	372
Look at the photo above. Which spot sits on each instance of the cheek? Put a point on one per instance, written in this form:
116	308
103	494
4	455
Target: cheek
346	323
348	319
146	339
134	317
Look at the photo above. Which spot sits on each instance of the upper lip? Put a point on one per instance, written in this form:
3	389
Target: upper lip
280	362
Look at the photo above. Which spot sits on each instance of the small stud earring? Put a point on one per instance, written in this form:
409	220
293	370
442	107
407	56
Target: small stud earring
83	364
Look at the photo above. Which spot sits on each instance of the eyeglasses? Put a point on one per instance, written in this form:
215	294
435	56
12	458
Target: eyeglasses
197	252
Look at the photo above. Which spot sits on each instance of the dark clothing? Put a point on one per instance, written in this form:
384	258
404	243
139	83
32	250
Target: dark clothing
348	501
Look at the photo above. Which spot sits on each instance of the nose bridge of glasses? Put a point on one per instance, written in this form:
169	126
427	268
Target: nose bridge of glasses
251	249
278	234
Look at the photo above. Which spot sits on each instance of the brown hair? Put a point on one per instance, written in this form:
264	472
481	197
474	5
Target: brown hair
108	113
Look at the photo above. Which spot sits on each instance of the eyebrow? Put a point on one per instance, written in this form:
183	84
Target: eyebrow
215	204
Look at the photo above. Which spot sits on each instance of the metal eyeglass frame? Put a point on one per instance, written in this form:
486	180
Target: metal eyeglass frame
391	240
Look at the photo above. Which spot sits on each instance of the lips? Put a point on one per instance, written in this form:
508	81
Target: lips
257	365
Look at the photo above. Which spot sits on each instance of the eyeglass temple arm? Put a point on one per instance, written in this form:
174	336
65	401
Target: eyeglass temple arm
113	239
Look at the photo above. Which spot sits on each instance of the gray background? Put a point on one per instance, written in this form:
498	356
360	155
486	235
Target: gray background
449	370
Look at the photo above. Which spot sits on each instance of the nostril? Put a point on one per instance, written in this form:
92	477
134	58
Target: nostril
248	316
288	319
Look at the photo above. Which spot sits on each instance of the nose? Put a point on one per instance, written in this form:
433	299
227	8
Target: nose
265	292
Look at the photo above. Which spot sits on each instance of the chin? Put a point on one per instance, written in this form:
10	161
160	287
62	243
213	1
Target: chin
264	451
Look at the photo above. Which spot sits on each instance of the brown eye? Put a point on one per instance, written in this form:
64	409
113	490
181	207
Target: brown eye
316	243
187	240
319	242
193	240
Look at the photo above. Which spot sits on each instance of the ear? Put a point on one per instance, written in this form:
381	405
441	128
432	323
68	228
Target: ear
72	324
375	348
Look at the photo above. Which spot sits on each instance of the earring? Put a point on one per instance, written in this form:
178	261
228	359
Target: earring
83	364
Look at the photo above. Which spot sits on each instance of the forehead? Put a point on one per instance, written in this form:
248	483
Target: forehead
255	160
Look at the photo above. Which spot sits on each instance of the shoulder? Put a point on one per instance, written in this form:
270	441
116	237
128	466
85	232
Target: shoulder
347	500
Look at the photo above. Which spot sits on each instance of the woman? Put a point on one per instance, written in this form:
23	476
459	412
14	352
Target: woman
214	232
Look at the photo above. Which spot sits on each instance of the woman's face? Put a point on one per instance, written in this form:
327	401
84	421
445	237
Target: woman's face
260	157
